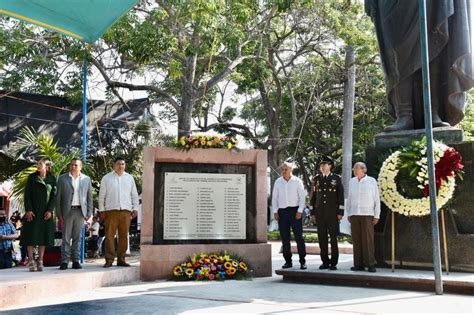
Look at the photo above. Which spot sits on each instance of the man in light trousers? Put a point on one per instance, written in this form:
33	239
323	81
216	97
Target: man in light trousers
118	204
73	206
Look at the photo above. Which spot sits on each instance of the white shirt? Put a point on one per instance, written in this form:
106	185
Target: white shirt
363	197
289	193
76	201
118	192
95	228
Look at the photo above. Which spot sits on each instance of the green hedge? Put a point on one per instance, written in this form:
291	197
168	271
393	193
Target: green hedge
309	237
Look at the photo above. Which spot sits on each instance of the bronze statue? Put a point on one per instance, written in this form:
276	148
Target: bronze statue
397	25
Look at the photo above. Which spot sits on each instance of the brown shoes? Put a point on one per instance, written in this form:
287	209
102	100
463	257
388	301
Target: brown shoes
122	264
108	264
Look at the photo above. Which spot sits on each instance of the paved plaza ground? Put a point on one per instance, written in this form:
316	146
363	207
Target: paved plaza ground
257	296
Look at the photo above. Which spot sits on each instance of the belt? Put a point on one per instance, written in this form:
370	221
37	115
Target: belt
75	207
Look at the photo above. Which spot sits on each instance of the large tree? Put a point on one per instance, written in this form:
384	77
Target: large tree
176	51
295	85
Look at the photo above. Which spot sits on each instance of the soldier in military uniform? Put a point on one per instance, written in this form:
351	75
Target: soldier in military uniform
328	208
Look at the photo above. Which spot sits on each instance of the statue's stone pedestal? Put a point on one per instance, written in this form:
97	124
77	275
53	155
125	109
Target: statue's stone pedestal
413	240
405	137
158	255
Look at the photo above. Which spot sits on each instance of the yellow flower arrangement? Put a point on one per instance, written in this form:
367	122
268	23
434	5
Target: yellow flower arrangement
206	142
211	267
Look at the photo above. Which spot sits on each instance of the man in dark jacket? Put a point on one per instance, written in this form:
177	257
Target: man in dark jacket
328	208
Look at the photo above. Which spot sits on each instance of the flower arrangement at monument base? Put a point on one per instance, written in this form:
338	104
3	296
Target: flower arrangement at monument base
404	183
203	141
212	267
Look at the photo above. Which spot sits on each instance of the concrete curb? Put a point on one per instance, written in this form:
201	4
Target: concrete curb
19	286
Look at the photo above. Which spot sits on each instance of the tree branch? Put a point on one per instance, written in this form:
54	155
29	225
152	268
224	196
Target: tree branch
134	87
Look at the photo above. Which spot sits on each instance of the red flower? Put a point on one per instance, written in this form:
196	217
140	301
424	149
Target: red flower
449	164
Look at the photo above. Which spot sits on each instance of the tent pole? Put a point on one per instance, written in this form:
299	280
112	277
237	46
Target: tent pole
84	140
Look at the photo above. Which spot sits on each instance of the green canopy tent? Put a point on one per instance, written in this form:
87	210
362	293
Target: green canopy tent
86	20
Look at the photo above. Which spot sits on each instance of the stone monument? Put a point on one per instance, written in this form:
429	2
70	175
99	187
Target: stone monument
397	26
203	201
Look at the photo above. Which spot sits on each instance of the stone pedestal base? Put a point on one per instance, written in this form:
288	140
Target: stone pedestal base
413	241
157	261
405	137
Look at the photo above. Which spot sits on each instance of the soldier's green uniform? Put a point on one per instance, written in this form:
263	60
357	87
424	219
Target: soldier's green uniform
328	202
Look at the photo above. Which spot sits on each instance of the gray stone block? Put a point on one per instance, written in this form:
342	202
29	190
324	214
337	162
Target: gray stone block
405	137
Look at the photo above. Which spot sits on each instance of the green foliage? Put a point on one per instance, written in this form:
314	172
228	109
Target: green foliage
316	81
309	237
467	124
127	144
34	146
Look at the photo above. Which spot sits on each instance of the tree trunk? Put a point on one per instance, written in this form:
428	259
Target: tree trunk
274	162
188	97
184	122
348	119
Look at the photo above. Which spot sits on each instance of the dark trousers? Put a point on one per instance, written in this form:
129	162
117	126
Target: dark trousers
6	260
328	226
287	221
363	240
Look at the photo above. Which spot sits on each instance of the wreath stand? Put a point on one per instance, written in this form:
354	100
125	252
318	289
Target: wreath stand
445	241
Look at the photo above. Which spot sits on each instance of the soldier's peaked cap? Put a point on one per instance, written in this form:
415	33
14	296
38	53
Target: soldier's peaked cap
326	160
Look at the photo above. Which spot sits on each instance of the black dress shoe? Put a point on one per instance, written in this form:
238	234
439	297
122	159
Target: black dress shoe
287	265
371	269
303	267
63	266
332	268
357	268
122	264
76	265
324	266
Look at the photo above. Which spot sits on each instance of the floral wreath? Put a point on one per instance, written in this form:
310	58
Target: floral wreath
412	163
204	141
204	266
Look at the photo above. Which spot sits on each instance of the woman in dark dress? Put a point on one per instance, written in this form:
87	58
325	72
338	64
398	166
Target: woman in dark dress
38	229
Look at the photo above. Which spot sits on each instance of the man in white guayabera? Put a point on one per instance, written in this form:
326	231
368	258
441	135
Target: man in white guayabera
363	211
